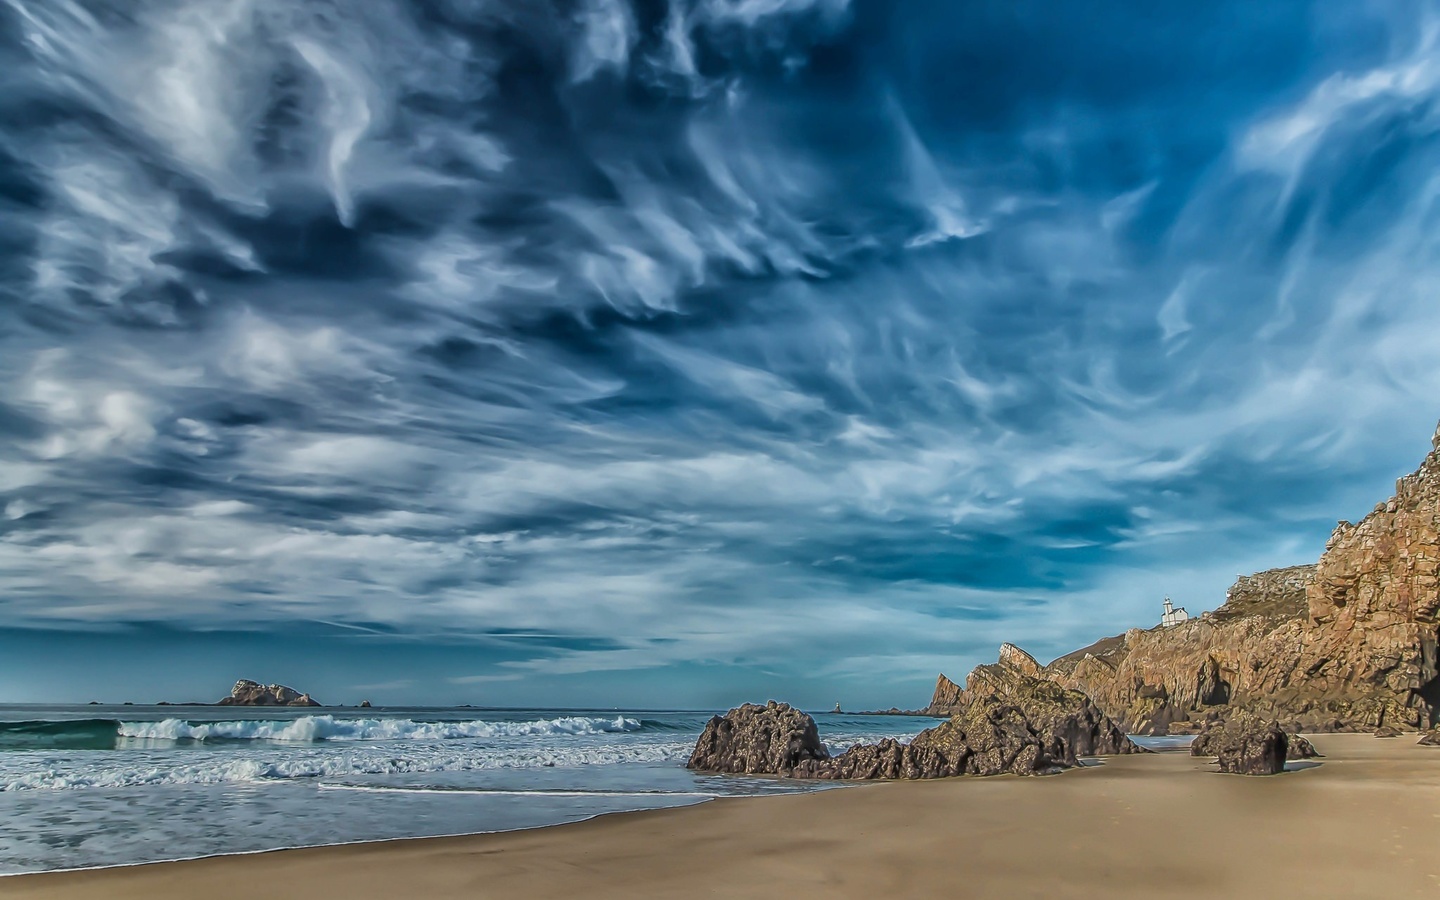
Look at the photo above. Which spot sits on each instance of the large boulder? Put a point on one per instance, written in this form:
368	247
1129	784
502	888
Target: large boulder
758	740
1301	748
1244	745
252	693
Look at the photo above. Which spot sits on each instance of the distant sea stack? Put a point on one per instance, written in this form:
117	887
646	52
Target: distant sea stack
252	693
1348	644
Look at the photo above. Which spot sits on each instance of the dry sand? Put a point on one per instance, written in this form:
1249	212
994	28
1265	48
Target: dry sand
1363	823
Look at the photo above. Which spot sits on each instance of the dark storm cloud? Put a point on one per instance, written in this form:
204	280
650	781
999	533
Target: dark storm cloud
706	331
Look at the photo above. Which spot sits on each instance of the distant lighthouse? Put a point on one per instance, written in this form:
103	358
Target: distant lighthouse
1173	616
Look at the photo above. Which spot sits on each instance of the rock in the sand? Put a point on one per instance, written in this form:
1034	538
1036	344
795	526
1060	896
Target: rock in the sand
758	740
1387	731
1301	748
252	693
1430	738
1244	745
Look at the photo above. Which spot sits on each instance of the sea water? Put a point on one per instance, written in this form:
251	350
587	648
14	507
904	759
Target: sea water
84	786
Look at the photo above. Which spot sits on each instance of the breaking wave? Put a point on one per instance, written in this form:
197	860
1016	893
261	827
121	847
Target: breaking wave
309	729
322	763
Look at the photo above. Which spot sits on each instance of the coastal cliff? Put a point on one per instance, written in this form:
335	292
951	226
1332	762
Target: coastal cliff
1347	644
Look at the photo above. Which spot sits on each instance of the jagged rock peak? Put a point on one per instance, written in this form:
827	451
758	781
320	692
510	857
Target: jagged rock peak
1015	658
946	697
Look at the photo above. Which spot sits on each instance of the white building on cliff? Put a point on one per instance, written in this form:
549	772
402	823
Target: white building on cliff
1173	616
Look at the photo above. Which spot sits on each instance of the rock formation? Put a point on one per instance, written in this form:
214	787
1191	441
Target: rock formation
1244	745
252	693
1069	723
990	737
1430	738
1032	727
1348	644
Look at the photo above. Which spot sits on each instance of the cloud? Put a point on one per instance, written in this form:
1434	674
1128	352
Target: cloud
762	336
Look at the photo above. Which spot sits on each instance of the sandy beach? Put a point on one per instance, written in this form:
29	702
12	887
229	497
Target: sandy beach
1361	823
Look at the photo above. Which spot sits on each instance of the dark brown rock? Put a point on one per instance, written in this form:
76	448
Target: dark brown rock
1244	745
1301	748
758	740
364	704
252	693
1430	738
1387	731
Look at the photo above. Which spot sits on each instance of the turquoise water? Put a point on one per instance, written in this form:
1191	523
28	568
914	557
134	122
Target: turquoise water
84	786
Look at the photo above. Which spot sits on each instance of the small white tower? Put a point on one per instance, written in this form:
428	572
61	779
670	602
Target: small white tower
1172	615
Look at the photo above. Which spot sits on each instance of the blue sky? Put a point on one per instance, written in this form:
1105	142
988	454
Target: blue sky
684	352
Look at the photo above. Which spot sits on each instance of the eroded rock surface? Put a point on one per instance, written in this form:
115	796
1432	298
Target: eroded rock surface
1244	745
252	693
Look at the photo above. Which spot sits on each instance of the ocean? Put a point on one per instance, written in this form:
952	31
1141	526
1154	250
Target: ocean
88	786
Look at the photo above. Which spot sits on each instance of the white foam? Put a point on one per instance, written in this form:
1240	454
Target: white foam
309	729
76	773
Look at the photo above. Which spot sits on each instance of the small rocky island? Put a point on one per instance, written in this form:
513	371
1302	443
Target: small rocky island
252	693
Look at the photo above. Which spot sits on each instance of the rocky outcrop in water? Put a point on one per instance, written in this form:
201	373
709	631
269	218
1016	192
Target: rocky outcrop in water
1244	745
1348	644
252	693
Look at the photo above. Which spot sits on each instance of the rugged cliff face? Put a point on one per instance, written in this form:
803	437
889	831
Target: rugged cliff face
1347	644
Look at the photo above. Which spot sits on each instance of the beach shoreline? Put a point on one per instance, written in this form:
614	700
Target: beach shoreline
1360	823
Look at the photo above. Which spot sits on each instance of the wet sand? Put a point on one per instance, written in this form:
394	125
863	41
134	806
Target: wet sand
1364	822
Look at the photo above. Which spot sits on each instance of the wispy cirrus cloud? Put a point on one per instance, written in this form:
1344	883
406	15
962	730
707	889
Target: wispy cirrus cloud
756	335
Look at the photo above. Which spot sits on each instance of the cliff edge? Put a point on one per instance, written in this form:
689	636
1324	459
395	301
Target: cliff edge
1347	644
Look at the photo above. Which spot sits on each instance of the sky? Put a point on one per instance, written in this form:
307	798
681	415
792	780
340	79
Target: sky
678	353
